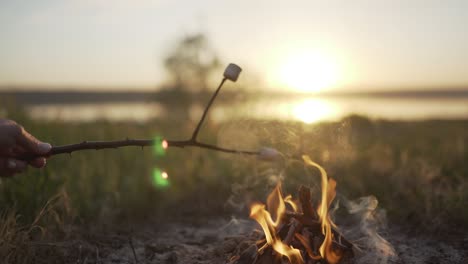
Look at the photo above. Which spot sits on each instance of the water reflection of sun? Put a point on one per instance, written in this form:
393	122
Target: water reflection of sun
308	72
313	110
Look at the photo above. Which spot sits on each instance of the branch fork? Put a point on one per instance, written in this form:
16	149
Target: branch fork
231	73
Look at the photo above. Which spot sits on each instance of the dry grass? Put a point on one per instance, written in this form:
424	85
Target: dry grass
417	170
17	239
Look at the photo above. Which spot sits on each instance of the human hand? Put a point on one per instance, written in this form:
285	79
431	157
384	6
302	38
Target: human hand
15	142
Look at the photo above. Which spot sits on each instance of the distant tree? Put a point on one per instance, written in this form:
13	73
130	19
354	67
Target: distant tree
191	63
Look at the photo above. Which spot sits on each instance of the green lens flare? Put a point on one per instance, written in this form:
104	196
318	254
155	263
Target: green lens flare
158	146
160	178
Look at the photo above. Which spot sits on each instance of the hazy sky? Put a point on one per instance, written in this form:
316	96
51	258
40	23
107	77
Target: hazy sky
121	43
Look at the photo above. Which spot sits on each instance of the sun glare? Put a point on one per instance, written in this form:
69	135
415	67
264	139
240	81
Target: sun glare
308	72
313	110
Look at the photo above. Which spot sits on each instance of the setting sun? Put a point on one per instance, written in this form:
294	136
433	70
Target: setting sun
308	72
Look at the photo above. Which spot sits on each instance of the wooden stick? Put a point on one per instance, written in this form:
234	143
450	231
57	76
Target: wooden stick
192	142
306	202
97	145
213	97
293	229
133	249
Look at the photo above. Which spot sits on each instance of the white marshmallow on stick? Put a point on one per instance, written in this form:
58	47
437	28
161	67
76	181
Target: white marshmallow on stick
232	72
269	154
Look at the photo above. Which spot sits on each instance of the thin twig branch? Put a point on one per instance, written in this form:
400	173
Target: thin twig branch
213	97
97	145
192	142
226	150
133	249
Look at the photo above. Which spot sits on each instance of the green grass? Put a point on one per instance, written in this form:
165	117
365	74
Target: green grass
417	170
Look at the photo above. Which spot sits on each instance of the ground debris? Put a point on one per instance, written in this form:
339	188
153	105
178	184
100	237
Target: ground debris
210	243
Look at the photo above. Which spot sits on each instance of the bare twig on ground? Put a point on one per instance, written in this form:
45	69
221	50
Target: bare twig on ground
133	249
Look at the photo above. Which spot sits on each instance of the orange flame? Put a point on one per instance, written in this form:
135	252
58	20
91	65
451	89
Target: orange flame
276	204
328	194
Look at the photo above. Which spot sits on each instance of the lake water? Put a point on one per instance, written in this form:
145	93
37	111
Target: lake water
308	110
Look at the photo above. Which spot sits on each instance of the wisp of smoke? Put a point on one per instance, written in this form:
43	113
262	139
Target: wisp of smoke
362	226
363	222
236	226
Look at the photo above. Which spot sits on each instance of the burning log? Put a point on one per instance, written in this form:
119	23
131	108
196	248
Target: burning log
297	237
306	202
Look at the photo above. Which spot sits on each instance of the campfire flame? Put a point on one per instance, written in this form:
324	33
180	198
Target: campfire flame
328	195
276	204
270	220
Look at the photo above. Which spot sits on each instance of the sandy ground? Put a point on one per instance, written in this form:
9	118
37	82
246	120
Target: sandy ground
214	242
429	248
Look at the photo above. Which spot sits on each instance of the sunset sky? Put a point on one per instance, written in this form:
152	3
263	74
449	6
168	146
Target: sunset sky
316	45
